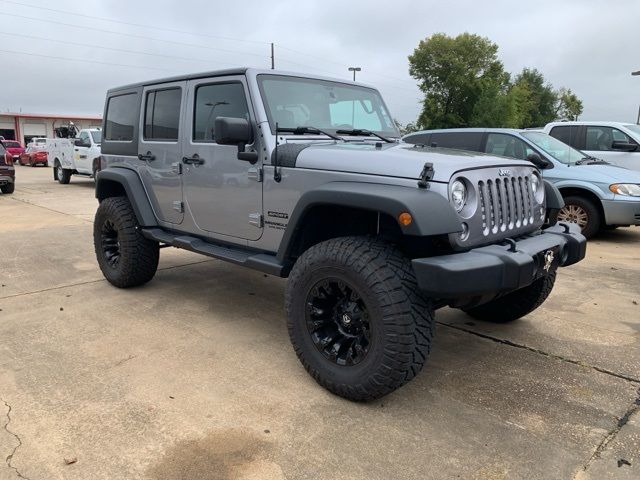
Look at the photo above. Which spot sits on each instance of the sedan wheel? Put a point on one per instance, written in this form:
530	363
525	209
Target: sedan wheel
574	214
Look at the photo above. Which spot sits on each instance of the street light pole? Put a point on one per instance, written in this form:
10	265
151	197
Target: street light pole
635	74
354	70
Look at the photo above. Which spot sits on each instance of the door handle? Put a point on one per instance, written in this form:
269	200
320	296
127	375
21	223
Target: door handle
147	157
194	160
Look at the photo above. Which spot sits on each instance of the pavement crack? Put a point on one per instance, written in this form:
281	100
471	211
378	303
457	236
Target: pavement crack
612	434
572	361
15	449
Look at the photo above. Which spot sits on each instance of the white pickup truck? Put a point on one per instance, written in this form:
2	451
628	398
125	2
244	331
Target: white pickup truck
75	156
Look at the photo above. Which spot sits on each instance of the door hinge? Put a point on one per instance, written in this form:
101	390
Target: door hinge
255	173
178	206
255	219
177	167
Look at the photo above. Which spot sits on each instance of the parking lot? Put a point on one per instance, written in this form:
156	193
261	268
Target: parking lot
192	376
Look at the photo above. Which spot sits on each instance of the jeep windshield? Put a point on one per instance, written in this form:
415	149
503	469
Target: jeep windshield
557	149
294	102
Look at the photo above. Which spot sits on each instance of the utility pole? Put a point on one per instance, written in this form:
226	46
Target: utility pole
273	58
354	70
635	74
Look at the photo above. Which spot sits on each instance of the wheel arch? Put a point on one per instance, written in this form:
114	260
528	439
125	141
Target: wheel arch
123	182
348	208
585	193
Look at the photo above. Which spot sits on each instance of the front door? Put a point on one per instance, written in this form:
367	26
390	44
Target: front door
159	150
81	153
223	194
599	143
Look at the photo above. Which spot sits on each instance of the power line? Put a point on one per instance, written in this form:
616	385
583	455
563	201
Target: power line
138	52
83	60
67	12
133	35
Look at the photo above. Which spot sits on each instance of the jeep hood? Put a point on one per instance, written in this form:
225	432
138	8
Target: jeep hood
395	160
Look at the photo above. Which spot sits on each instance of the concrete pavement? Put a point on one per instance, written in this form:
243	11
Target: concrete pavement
192	376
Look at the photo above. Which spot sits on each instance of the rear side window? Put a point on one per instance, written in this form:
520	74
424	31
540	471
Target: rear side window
567	134
460	140
121	118
162	114
418	138
217	100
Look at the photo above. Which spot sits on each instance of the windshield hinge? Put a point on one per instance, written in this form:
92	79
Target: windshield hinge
426	175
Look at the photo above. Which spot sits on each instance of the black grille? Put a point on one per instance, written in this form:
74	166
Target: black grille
506	203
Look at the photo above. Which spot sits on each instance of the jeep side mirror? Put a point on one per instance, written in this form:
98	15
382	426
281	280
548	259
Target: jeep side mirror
624	146
538	161
235	131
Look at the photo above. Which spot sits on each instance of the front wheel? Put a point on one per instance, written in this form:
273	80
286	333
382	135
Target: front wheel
516	304
583	212
356	319
126	258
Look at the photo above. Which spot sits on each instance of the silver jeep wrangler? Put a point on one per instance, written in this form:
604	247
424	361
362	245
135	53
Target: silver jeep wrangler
304	177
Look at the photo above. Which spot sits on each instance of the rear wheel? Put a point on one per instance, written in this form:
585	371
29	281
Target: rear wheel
8	188
516	304
63	175
583	212
356	319
126	258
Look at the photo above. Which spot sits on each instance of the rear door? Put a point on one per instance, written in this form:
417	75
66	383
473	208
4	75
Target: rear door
223	194
159	149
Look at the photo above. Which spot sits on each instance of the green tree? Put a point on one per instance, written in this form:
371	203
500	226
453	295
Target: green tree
454	73
538	107
568	106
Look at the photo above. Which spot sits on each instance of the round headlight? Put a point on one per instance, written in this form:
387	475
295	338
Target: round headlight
458	195
537	187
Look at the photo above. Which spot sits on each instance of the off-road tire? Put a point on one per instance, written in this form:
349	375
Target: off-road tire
594	217
516	304
138	256
401	319
8	188
62	175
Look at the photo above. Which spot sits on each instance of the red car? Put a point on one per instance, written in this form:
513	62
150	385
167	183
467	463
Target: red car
14	148
33	157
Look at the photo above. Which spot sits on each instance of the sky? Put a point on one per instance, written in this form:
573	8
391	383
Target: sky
61	57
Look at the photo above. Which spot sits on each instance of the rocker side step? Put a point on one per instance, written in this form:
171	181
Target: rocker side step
247	258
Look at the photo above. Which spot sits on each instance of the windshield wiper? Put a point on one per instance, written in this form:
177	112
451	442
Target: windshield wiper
307	130
359	132
589	160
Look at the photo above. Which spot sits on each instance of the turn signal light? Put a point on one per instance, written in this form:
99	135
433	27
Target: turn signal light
405	219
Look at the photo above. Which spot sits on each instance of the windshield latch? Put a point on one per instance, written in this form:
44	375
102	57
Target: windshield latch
426	175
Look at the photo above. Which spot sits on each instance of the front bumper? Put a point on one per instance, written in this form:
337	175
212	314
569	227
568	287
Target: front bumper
497	269
5	179
621	212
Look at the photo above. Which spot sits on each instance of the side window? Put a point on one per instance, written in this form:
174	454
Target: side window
602	138
121	117
460	140
507	146
567	134
217	100
419	139
84	136
162	114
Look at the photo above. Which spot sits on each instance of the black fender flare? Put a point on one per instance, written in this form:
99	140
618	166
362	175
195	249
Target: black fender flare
432	213
110	182
553	196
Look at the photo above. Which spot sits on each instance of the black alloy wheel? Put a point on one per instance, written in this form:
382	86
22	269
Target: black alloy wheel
338	321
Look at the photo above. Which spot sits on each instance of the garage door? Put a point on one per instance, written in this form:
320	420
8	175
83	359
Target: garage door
34	129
